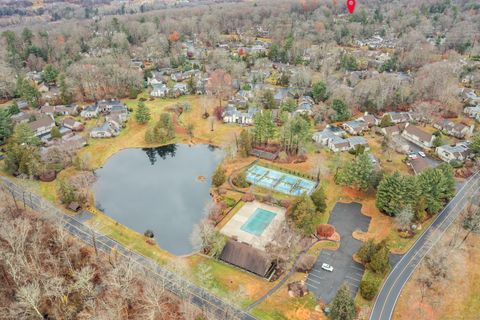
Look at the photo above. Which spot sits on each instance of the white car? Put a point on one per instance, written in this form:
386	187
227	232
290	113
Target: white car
422	154
413	156
326	266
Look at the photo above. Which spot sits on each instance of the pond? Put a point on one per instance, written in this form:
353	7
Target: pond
163	189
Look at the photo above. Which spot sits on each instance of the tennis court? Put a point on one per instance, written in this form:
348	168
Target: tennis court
279	181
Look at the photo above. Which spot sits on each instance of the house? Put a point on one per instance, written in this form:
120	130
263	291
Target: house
157	77
281	95
305	106
357	141
179	89
400	117
473	112
371	120
107	105
232	115
330	132
333	138
178	76
90	112
355	127
459	152
159	90
21	117
419	165
42	125
48	110
418	136
248	258
68	110
470	97
22	104
391	131
457	130
72	124
107	130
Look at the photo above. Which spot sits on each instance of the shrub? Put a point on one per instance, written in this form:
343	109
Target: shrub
380	262
248	197
285	203
456	164
240	180
218	112
218	177
306	263
229	202
325	230
319	199
148	234
369	286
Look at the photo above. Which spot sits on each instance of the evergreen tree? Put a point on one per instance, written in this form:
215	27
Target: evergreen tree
55	133
24	135
319	92
5	125
244	143
437	185
65	95
267	100
142	114
396	192
67	192
475	145
386	121
218	177
343	306
357	174
341	108
28	92
303	214
50	74
319	199
264	128
380	262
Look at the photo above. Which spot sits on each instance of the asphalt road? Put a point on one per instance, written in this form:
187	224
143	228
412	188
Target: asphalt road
393	285
184	289
347	218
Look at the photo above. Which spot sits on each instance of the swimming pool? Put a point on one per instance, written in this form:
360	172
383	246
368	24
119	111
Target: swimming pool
279	181
258	221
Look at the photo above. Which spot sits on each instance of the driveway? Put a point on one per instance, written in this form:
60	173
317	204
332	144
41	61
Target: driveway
346	218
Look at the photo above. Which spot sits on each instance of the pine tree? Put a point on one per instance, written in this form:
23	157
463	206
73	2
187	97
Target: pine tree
55	133
396	192
343	306
50	74
143	114
244	143
218	177
380	262
386	121
319	199
319	92
303	214
357	174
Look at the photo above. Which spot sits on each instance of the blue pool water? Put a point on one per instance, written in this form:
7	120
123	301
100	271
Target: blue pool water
279	181
258	221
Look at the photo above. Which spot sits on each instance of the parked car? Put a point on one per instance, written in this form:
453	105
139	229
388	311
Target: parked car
2	157
412	156
422	154
327	267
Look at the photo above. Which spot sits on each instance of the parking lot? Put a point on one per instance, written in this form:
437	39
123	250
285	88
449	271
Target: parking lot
346	217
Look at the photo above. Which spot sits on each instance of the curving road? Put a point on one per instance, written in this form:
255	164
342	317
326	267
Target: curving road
403	270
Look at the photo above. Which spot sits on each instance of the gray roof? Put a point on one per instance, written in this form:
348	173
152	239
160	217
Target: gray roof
246	257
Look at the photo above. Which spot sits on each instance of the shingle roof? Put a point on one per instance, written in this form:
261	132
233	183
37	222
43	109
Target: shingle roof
246	257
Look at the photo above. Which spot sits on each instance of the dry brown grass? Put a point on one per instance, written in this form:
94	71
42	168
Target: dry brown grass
456	297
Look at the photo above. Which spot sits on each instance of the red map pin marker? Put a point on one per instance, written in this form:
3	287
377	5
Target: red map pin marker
351	5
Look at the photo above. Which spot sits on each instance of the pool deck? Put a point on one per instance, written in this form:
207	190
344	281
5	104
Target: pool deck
233	227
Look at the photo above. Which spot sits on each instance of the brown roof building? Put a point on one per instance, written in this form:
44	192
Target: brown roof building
246	257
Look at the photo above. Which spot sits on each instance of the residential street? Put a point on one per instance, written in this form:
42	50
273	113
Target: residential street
393	285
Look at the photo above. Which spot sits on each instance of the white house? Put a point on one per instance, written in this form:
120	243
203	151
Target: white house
90	112
159	90
42	126
460	152
232	115
473	112
107	130
418	136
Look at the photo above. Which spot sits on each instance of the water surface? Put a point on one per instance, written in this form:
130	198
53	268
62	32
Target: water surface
158	189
